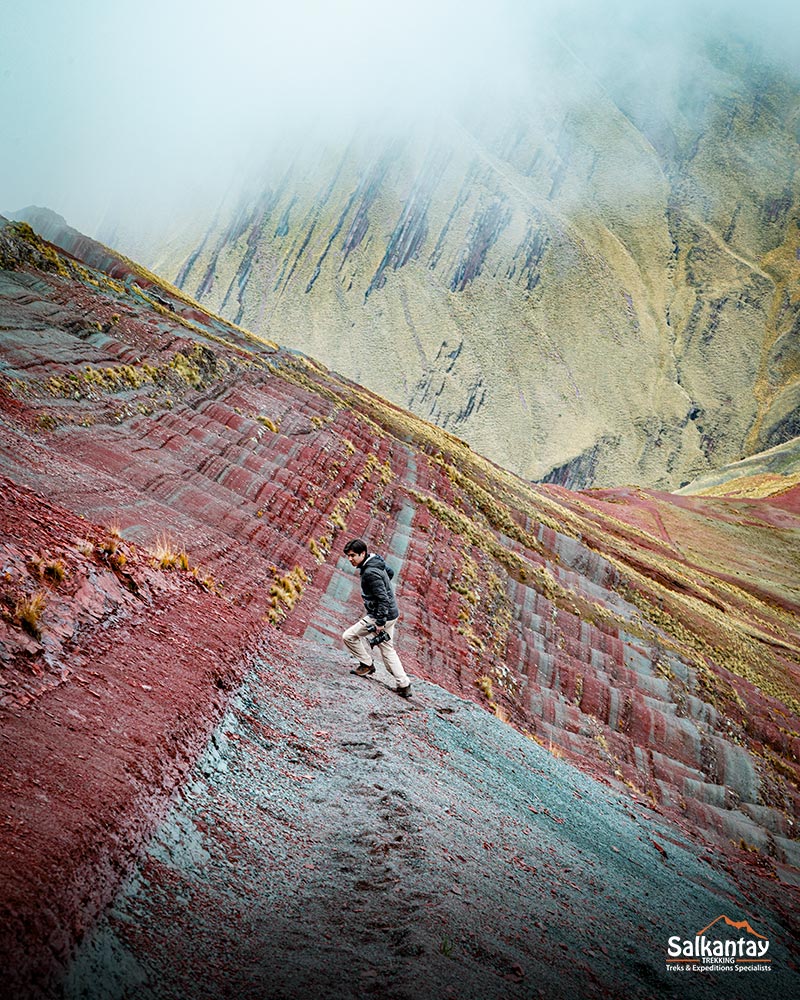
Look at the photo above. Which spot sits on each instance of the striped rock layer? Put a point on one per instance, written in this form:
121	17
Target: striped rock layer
173	486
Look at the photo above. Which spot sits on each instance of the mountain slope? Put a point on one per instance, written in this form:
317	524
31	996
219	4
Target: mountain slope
173	487
769	473
588	287
338	842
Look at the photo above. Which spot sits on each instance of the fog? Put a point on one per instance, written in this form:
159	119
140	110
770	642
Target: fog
130	112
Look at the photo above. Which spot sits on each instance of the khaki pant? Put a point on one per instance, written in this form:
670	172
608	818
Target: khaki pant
354	639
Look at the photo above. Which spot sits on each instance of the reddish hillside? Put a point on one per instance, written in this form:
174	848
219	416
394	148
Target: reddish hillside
173	486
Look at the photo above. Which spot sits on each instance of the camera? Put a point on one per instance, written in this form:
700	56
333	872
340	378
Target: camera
380	636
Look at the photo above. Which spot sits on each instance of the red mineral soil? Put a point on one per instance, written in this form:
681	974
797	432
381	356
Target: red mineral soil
172	488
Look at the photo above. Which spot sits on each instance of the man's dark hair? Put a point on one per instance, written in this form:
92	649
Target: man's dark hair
357	545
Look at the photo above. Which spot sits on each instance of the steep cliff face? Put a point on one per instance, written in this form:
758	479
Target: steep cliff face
173	485
586	290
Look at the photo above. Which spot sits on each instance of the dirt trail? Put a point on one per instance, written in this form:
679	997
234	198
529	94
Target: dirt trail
336	841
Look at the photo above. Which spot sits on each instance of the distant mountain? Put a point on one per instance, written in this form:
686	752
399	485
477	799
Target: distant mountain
769	473
589	286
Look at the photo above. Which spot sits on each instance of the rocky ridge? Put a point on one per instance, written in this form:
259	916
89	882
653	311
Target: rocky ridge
164	471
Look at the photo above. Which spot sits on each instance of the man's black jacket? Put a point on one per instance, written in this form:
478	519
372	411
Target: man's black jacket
376	590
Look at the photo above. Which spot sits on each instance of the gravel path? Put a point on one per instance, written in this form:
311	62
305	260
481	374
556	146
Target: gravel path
335	841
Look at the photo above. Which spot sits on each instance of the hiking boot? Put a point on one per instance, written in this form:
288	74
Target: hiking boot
404	692
363	669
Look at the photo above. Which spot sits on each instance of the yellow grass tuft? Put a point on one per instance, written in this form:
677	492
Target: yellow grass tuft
284	593
167	555
269	424
204	580
28	613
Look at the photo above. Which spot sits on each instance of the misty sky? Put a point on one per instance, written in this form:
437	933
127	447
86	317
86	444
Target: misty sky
153	105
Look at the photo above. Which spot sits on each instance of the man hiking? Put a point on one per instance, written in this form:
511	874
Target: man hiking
380	619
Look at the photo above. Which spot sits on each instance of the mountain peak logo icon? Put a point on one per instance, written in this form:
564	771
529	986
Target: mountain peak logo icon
739	925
